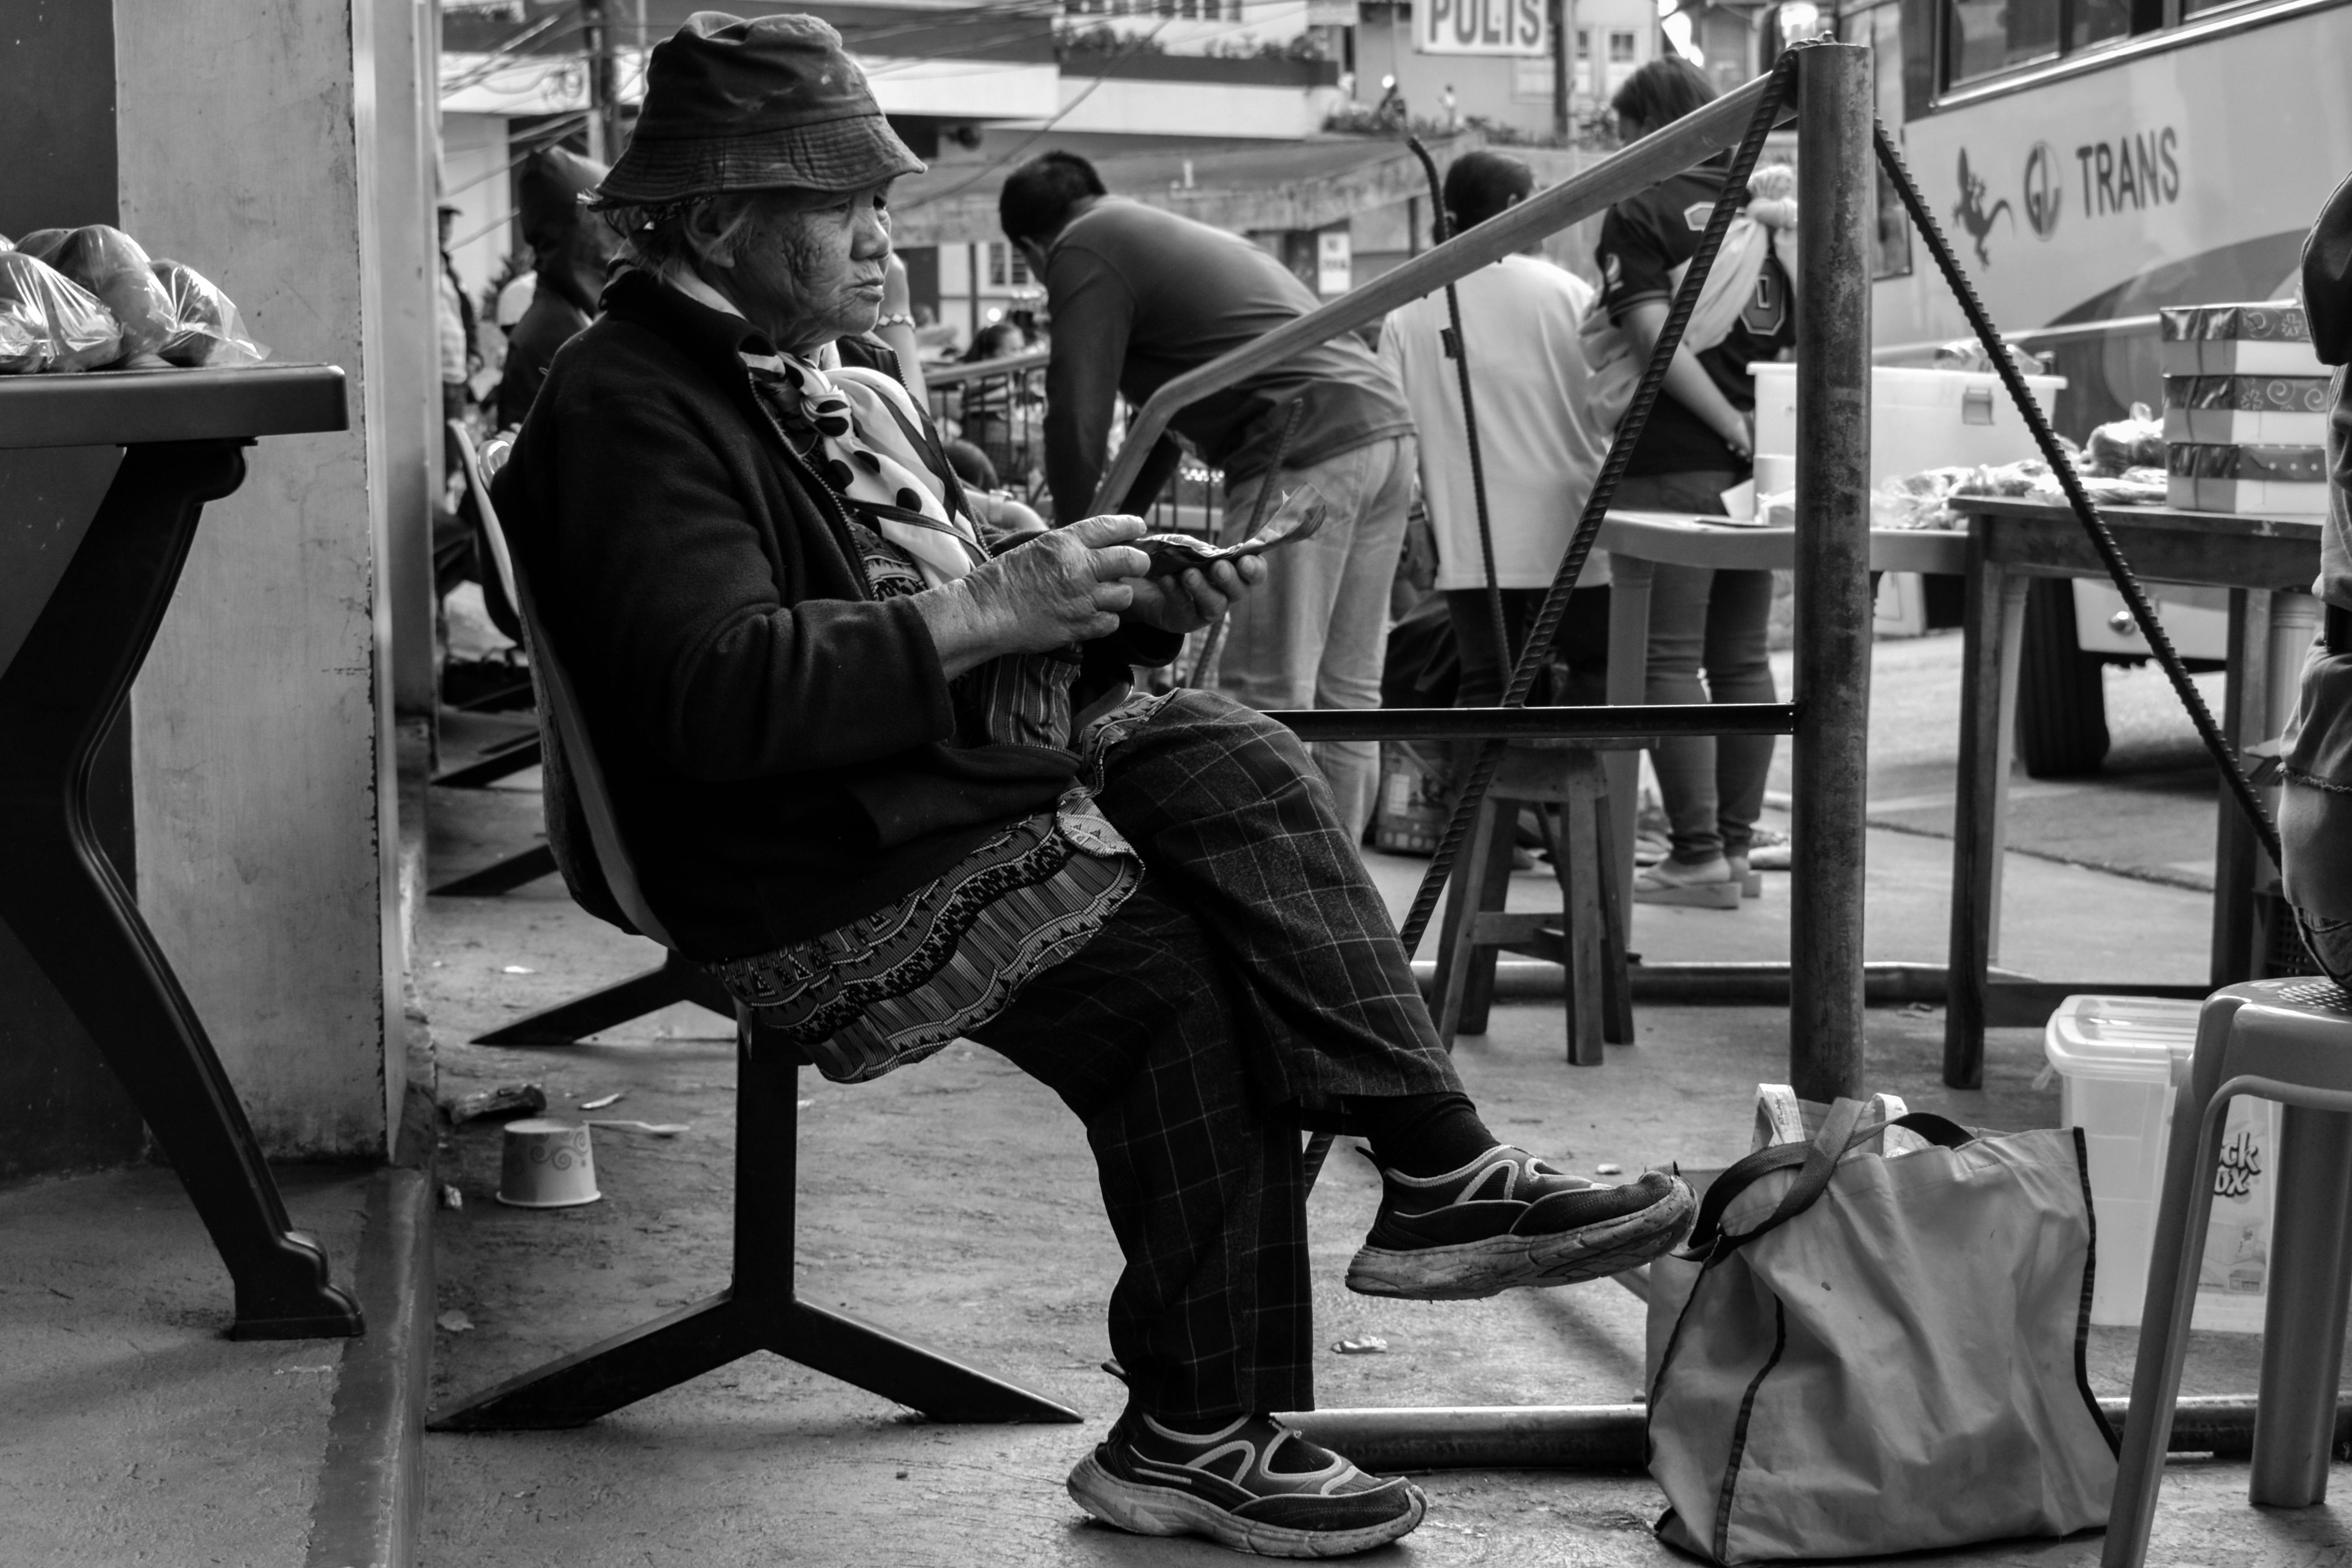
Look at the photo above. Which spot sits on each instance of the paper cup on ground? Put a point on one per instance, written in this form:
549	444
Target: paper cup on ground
547	1165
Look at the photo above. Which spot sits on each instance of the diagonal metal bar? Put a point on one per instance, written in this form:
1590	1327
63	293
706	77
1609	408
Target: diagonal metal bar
1638	721
2160	642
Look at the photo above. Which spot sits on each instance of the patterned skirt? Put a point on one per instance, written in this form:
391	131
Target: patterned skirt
899	984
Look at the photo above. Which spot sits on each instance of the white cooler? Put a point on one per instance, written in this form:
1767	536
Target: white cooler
1918	418
2117	1059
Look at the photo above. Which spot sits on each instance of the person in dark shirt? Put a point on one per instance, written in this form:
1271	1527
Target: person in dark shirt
1699	442
1140	295
571	253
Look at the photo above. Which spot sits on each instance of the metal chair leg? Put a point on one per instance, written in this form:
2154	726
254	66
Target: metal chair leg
569	1022
758	1311
500	876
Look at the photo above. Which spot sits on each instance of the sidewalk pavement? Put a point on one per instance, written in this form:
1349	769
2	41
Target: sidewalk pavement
131	1429
955	1202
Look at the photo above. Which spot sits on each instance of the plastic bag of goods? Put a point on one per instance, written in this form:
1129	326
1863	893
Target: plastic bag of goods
211	332
75	331
42	243
110	265
2117	447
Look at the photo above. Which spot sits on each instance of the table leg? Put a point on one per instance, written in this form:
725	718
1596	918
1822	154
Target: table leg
1629	580
2235	860
1993	627
66	903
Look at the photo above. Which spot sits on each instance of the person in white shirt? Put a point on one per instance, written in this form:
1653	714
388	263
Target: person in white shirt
1528	369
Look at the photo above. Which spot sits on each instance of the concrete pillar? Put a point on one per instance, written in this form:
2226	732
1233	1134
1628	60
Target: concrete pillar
262	740
407	376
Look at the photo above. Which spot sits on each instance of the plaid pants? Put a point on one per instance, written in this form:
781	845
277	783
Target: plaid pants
1251	983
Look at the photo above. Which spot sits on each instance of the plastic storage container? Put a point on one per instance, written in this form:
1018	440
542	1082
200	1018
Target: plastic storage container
2117	1059
1918	418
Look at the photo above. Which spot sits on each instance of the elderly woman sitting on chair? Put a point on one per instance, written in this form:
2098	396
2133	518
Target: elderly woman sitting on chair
884	772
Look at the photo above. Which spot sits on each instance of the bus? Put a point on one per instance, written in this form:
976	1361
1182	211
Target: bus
2093	160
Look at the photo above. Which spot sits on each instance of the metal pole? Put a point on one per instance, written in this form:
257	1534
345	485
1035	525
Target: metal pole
596	39
1834	607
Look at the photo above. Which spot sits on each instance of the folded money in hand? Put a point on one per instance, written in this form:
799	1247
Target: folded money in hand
1300	515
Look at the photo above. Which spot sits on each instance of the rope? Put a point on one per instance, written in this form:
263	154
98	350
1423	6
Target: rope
1588	527
2159	642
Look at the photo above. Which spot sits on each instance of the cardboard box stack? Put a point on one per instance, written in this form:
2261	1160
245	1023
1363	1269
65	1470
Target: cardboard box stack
2245	410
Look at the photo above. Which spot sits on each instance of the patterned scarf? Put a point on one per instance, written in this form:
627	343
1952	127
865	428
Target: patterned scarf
864	430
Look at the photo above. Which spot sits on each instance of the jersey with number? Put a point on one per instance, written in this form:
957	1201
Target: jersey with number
1642	239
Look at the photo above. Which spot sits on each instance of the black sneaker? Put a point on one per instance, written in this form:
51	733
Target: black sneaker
1506	1218
1252	1486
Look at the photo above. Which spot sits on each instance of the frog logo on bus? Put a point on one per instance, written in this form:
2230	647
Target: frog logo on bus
1973	215
2044	191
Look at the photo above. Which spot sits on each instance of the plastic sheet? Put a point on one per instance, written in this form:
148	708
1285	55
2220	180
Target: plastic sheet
111	265
74	330
42	243
210	332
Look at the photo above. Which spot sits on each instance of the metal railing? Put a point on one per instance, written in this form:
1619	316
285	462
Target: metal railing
999	406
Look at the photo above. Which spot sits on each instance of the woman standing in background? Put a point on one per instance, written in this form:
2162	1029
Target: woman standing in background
1699	442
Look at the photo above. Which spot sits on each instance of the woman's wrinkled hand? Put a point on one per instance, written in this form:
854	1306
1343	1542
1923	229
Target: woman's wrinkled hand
1064	585
1192	598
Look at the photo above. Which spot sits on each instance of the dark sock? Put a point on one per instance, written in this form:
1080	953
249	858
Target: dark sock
1422	1134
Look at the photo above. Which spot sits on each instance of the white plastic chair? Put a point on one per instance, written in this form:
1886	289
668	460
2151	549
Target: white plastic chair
2289	1041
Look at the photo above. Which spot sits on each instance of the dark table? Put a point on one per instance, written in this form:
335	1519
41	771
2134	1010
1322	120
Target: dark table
102	480
2267	564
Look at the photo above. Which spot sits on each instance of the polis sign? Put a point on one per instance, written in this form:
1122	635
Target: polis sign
1480	27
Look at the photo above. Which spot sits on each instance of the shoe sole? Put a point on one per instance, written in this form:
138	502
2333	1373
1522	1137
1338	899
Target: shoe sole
1162	1510
1692	895
1472	1270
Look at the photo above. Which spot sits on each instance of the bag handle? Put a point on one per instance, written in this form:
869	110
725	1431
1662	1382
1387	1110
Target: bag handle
1839	1135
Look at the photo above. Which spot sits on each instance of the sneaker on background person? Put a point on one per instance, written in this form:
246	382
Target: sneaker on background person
1708	884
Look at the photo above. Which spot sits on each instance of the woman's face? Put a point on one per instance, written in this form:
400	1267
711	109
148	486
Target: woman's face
809	267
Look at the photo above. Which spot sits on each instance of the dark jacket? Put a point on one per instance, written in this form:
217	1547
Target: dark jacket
550	321
780	746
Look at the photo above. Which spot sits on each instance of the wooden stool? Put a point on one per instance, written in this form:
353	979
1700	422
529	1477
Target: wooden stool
1585	936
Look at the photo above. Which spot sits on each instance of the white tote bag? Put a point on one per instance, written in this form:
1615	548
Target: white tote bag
1884	1353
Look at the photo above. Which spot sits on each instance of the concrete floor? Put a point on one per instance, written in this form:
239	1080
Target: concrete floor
955	1202
132	1430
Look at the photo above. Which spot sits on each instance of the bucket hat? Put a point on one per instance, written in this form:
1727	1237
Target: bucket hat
737	105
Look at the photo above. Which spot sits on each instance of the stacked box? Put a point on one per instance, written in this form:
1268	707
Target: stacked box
2246	409
2279	481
